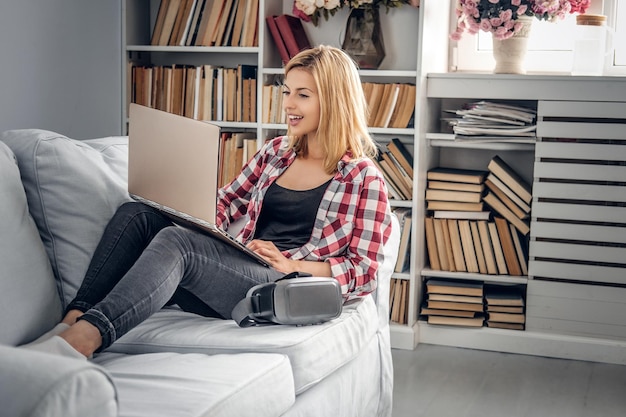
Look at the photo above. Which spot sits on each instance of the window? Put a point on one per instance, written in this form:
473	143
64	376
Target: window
550	46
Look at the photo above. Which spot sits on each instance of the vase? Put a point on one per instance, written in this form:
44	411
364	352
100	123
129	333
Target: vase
510	53
363	40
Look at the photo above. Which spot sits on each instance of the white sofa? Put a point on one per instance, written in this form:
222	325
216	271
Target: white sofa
56	196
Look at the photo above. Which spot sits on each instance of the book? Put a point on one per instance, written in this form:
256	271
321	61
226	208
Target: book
456	321
160	20
456	246
457	287
402	154
478	248
270	21
373	104
519	250
390	106
293	34
456	175
250	31
494	202
237	29
441	249
510	326
506	309
447	243
504	295
487	248
497	248
456	186
207	31
195	22
431	244
426	311
406	108
470	215
476	299
508	247
506	317
467	243
451	195
454	206
404	249
511	178
169	20
452	305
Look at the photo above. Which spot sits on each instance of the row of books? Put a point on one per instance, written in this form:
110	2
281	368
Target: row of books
394	111
206	23
396	163
204	92
503	190
488	121
399	300
289	35
477	246
236	148
473	304
391	105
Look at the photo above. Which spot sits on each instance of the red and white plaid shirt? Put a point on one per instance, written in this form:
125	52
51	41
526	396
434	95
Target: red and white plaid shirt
352	223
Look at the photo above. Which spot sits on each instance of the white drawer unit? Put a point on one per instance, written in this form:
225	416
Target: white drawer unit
578	229
577	265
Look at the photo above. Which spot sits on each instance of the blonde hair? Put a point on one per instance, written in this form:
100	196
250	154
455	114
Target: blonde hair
343	108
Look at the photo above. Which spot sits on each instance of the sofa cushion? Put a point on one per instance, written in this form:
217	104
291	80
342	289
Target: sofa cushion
194	385
29	304
73	189
37	384
314	351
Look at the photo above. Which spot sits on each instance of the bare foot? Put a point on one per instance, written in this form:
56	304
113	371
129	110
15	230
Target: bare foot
84	337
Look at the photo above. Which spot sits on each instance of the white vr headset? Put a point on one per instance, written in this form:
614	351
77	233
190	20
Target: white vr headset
297	299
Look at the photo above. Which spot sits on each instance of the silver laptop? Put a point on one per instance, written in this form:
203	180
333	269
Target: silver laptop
173	166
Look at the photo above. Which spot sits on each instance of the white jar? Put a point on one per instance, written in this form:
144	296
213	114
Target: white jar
589	45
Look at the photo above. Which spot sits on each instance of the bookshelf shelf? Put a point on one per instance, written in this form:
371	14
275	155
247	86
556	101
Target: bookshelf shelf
194	49
499	279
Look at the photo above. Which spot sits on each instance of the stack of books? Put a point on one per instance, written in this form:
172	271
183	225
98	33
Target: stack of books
454	302
491	121
478	220
396	164
206	23
505	307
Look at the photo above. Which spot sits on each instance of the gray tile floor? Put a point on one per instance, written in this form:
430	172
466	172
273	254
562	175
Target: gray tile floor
439	381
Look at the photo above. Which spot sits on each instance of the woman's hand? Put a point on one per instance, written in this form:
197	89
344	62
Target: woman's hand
271	254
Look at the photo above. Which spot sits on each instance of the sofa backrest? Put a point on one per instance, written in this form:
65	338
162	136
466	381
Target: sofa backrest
73	188
29	303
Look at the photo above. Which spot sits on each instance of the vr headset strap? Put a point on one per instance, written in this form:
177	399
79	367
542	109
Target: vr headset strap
243	312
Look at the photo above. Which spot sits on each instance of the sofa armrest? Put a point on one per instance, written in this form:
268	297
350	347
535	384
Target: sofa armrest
34	384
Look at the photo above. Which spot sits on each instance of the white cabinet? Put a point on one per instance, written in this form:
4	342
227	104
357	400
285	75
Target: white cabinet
576	285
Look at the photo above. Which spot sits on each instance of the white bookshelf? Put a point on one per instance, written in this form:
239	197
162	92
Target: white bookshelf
402	64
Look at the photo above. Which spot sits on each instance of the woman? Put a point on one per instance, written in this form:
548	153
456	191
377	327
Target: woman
315	202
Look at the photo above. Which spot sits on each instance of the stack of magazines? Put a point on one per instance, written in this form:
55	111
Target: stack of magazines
489	121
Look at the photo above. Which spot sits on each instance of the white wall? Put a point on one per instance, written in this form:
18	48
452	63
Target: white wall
60	66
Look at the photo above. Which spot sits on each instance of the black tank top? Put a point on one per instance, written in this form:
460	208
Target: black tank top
288	216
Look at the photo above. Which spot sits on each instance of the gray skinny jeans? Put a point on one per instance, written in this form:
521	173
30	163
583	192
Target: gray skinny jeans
143	262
